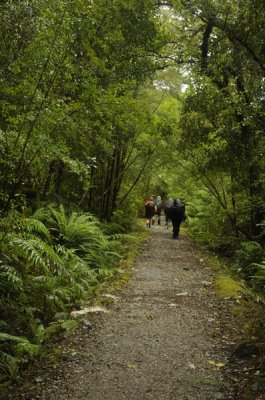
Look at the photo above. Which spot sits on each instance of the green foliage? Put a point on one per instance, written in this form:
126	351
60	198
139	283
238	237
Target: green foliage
27	349
124	220
9	362
76	231
249	255
69	114
48	267
251	262
8	366
258	276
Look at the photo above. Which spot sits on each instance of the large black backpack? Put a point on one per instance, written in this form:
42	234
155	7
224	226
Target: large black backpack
150	205
176	210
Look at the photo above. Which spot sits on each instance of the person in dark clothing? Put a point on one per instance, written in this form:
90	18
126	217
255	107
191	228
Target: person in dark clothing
159	207
176	213
150	210
168	204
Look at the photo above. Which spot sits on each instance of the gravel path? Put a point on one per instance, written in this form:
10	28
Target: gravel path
157	342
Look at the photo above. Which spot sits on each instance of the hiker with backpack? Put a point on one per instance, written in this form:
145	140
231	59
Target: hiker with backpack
176	213
168	204
150	210
159	206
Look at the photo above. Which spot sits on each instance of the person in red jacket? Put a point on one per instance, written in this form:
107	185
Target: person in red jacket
150	210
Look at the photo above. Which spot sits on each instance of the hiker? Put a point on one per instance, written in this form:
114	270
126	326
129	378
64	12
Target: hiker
168	204
176	213
150	210
159	206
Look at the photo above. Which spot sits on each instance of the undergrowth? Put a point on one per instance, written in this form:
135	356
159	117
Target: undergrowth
51	263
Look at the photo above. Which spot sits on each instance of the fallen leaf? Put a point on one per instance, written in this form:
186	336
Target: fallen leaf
111	296
220	396
206	283
216	364
132	366
87	310
150	317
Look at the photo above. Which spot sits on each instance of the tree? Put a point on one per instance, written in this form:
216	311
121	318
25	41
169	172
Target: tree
65	109
223	112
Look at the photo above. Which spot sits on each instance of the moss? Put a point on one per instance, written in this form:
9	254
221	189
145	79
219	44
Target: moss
228	287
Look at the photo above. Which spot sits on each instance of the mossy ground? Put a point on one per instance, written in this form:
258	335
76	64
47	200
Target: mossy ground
243	321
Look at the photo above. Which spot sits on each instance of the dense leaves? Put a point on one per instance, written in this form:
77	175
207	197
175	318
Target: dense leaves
68	99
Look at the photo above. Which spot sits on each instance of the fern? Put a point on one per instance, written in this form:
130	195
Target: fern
8	362
42	214
8	365
35	226
28	349
9	278
48	264
6	337
23	226
105	273
249	254
38	253
258	276
122	237
39	334
77	229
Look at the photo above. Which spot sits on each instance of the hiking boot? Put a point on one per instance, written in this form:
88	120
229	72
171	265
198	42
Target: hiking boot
158	222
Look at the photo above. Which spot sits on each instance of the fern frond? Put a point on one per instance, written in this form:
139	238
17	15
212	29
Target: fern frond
18	339
258	278
8	364
122	236
36	226
114	254
30	349
250	246
9	277
259	272
105	273
42	214
59	217
40	254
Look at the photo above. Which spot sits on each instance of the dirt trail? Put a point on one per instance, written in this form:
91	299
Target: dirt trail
158	341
